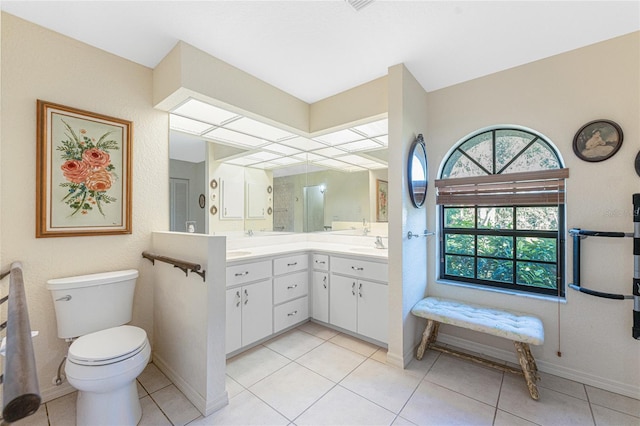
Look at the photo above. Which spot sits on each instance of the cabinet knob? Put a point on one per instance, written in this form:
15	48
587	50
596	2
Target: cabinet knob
357	268
292	264
292	313
291	287
353	288
246	296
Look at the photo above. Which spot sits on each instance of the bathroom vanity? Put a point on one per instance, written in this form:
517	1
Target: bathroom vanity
273	289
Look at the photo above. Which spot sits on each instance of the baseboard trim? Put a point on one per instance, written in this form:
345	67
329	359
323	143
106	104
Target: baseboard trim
546	367
192	395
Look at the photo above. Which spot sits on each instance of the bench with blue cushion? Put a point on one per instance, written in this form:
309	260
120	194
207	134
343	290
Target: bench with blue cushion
523	329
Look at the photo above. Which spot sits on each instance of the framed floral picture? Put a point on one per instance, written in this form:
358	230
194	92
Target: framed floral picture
83	173
382	191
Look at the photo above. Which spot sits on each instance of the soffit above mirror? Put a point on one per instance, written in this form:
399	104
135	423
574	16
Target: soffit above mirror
263	146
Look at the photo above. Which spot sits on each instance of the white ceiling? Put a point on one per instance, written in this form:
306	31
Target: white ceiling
315	49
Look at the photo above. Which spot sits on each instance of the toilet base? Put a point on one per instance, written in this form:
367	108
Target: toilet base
118	407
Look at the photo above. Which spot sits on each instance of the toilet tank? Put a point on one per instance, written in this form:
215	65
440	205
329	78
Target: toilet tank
94	302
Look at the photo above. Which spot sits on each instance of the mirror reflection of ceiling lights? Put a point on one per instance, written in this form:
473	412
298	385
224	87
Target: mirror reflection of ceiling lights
263	146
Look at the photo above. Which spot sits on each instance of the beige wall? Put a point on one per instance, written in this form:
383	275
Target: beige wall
40	64
407	272
555	97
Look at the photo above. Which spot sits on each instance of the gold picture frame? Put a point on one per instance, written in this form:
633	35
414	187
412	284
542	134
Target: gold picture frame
83	173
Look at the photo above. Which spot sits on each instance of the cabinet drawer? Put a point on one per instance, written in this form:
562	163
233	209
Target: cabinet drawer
320	262
248	272
290	287
290	313
284	265
360	268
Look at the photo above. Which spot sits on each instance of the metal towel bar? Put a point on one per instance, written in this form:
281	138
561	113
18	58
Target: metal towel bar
180	264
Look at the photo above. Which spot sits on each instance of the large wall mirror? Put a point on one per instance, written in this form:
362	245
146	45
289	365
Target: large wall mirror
418	172
268	179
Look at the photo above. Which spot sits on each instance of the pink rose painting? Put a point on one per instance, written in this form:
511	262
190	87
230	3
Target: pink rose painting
87	169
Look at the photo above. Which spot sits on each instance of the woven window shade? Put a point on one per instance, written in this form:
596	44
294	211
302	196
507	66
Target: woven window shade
511	189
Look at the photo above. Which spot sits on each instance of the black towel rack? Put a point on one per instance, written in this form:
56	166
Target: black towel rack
184	266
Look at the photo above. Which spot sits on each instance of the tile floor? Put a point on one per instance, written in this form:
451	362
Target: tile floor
315	376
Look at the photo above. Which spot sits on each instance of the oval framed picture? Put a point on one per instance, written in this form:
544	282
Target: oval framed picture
214	183
202	201
597	140
638	163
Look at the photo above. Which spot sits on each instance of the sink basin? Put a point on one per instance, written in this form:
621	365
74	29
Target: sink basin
369	250
237	253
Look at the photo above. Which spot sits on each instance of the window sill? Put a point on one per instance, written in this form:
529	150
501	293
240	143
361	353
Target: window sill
543	297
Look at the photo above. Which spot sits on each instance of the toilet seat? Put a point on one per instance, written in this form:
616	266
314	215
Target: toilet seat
108	346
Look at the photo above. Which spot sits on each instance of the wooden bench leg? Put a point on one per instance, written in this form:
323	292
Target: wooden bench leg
428	336
532	361
529	368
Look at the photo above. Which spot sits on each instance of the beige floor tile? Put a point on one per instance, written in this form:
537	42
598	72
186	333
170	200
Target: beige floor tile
467	378
318	330
331	361
422	367
254	365
505	419
432	404
553	408
39	418
562	385
294	343
614	401
175	405
152	379
353	344
292	389
151	413
62	411
380	355
388	386
342	407
233	388
607	417
244	409
401	421
141	390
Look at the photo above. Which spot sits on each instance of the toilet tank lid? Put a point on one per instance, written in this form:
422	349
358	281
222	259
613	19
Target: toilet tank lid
91	279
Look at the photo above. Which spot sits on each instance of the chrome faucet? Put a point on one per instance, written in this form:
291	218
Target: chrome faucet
365	230
379	243
250	233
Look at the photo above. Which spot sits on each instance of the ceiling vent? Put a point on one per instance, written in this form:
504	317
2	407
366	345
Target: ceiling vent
358	5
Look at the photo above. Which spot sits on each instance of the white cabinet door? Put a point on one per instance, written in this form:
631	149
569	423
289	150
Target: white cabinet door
373	308
234	320
257	311
343	302
256	200
231	199
320	296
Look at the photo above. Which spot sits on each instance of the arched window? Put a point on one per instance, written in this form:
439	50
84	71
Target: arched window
501	197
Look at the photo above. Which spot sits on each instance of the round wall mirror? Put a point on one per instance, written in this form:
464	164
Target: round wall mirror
418	172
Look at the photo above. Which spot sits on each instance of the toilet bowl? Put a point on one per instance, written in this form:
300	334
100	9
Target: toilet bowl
105	355
103	367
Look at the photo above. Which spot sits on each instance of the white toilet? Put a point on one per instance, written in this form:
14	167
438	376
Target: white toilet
106	356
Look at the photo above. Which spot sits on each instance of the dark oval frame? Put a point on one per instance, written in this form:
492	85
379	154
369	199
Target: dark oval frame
418	150
612	138
637	164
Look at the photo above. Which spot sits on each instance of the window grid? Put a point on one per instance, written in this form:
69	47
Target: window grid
489	265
